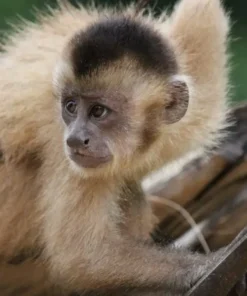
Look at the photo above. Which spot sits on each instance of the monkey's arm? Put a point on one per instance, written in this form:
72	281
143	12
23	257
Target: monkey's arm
127	268
198	31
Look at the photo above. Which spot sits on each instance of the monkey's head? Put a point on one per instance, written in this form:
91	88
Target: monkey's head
119	89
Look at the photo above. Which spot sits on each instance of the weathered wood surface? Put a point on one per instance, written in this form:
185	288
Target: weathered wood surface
212	190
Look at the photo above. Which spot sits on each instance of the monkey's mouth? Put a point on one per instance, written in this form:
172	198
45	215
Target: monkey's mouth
86	160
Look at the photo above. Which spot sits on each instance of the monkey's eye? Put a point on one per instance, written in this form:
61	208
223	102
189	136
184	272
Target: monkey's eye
99	112
71	106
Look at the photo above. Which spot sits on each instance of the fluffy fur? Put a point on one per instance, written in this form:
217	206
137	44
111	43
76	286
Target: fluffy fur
52	214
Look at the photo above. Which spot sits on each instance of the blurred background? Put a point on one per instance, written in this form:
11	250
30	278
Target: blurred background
9	9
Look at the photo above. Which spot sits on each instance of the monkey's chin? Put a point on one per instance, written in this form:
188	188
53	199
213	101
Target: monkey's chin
89	162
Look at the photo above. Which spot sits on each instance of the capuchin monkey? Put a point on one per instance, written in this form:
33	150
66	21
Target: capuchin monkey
92	100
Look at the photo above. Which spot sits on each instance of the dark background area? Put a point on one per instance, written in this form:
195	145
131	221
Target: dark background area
9	9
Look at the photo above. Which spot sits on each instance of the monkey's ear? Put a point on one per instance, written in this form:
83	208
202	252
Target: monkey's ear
179	94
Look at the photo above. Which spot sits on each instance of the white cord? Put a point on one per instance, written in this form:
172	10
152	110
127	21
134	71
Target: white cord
190	220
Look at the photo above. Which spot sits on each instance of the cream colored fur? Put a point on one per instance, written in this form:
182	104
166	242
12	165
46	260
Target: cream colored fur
43	203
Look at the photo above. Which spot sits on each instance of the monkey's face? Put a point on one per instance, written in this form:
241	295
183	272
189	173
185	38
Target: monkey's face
92	121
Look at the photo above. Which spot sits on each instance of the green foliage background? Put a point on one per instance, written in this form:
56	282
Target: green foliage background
9	9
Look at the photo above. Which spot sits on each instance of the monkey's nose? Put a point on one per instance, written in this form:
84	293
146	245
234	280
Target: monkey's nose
76	143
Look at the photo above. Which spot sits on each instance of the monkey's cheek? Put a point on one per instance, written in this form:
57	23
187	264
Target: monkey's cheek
85	161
